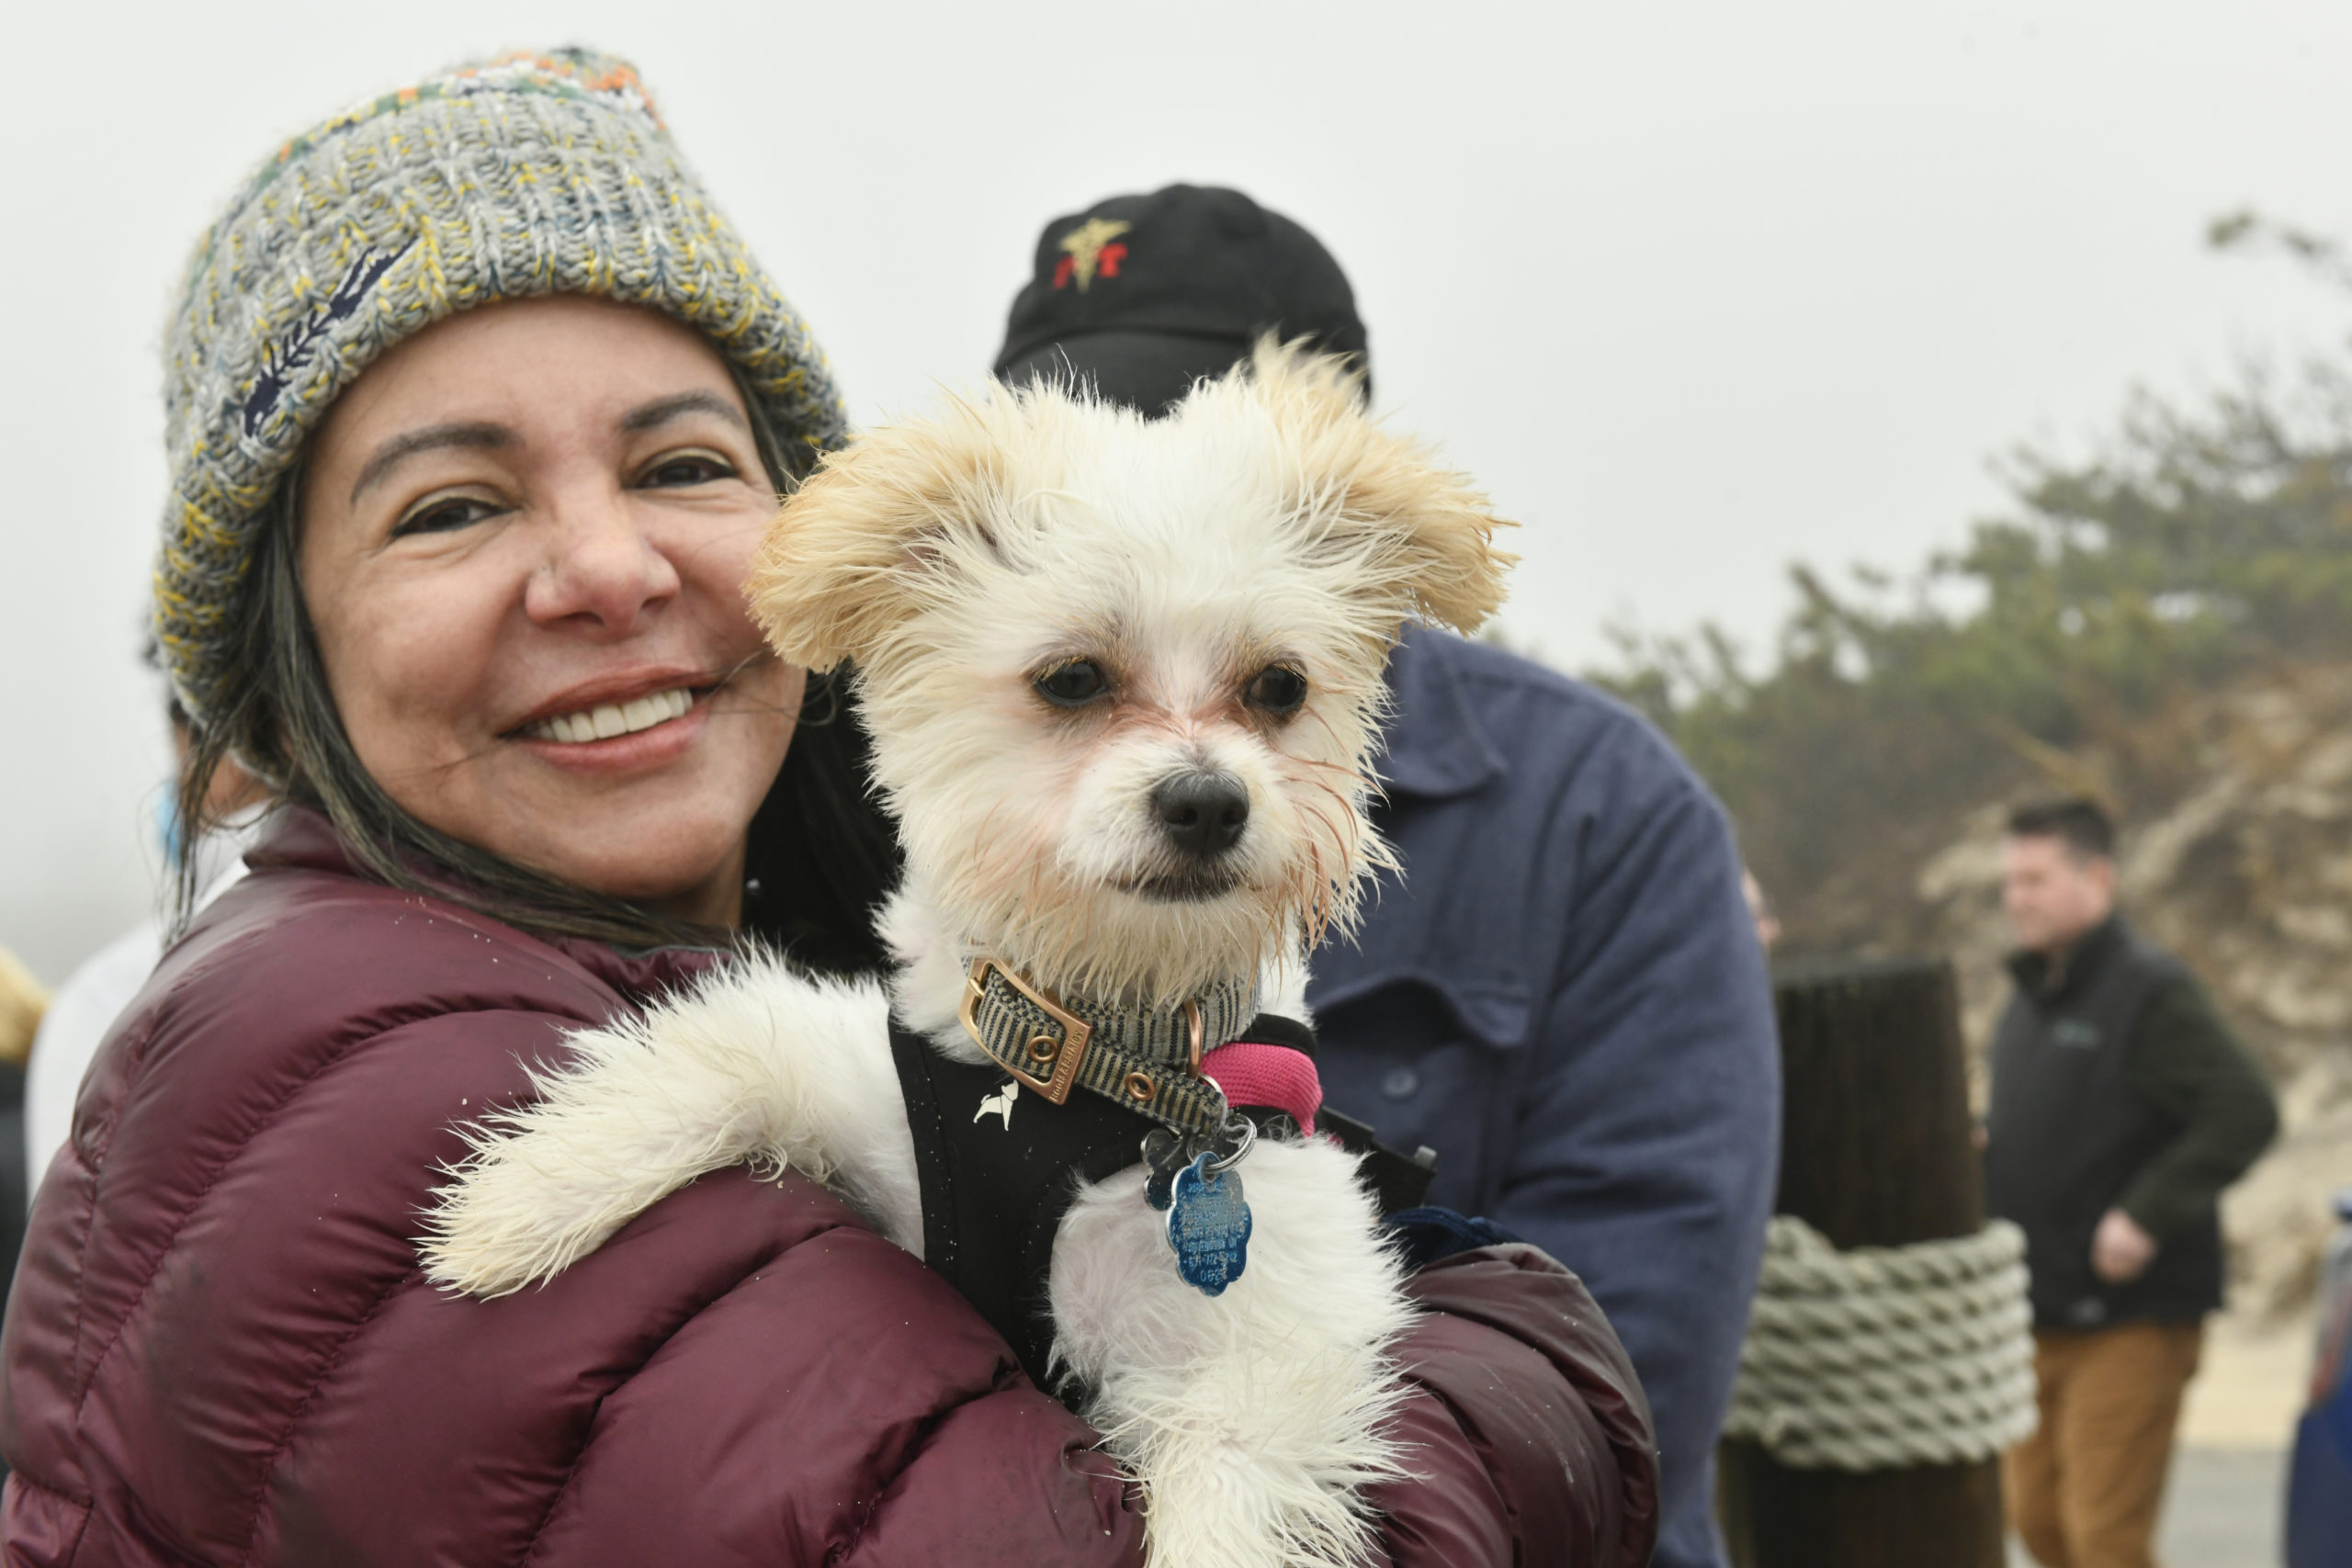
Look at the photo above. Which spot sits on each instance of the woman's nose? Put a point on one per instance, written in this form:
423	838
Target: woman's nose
601	567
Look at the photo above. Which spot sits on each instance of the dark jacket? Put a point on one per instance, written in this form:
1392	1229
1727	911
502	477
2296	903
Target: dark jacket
2115	1085
1563	994
221	1350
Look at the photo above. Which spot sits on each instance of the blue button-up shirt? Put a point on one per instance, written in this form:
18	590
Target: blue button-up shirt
1564	997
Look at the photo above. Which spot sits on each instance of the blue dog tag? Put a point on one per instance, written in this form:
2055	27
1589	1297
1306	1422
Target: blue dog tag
1208	1225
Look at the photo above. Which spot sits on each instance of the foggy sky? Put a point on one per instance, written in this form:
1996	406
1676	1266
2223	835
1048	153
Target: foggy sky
1695	289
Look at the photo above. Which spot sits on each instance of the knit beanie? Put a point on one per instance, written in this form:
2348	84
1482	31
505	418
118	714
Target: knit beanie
527	175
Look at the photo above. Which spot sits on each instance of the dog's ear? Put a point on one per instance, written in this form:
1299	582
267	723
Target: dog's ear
1385	500
852	551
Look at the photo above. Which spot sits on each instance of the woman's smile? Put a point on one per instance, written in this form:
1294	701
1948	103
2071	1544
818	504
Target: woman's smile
636	737
610	720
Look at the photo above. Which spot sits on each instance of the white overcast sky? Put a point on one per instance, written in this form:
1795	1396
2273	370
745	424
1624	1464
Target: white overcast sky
1697	290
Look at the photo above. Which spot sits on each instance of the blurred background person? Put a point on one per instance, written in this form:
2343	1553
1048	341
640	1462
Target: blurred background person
23	1002
1759	910
2121	1106
1564	994
23	1005
91	999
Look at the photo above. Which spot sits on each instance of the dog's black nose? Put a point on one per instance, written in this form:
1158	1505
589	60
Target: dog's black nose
1202	814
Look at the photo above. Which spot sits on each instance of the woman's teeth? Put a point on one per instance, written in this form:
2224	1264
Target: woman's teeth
608	719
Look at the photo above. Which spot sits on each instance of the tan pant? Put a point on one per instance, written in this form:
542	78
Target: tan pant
2084	1491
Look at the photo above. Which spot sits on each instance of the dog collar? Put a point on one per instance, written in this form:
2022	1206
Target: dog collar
1146	1059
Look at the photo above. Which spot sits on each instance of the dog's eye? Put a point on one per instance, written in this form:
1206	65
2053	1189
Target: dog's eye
1073	685
1278	689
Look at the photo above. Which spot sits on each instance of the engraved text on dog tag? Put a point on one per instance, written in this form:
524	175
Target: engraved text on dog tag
1208	1225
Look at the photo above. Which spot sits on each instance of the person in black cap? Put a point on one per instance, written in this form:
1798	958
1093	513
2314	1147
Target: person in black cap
1563	994
1141	296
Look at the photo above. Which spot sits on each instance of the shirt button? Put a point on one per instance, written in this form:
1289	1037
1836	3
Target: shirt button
1400	1083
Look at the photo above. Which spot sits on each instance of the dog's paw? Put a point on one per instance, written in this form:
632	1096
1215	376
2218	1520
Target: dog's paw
756	1064
519	1213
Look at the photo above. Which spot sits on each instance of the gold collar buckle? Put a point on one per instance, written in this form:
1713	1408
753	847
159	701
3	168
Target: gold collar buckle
1041	1063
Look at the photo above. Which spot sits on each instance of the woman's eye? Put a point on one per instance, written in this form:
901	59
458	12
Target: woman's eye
686	471
1278	689
1073	685
445	515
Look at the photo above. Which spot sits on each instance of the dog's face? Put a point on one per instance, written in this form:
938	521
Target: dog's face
1124	677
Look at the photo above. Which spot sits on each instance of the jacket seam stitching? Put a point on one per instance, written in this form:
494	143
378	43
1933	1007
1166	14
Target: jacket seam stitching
88	1507
334	1361
927	1435
563	1488
96	1167
39	1485
1488	1457
187	1212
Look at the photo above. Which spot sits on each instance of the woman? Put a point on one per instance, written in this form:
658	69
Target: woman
476	411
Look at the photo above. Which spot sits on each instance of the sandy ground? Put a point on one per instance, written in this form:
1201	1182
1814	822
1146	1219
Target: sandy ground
2223	1509
2250	1389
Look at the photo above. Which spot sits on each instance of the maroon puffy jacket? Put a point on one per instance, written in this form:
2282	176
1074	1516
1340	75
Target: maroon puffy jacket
220	1349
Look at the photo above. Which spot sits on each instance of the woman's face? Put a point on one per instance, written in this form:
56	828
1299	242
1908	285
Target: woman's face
524	536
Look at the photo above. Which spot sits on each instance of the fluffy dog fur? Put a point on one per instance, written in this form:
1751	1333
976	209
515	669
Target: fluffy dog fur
1266	522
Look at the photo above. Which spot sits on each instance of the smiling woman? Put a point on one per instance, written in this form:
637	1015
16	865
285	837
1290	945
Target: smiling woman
477	411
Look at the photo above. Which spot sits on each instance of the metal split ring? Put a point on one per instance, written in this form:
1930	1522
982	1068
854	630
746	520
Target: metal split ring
1249	1135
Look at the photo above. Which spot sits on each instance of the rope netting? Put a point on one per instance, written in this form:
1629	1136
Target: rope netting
1884	1356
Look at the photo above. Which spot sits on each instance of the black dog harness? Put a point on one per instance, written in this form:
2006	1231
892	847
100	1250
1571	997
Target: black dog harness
999	1167
999	1164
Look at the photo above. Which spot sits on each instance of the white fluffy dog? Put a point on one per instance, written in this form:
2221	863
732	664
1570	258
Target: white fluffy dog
1124	681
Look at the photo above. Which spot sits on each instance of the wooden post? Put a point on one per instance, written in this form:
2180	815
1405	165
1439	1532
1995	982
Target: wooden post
1875	1152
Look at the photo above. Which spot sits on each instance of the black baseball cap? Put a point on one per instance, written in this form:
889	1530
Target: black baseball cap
1141	296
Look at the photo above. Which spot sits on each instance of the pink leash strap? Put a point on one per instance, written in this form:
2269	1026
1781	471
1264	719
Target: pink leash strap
1275	1075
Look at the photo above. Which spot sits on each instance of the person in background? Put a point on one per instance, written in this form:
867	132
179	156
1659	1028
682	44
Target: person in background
1760	912
23	1004
2121	1106
1564	994
95	994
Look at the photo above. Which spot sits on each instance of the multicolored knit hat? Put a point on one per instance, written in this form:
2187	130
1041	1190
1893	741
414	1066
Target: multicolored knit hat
532	174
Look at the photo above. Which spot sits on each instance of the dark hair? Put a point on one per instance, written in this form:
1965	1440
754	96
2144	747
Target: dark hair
2078	821
822	852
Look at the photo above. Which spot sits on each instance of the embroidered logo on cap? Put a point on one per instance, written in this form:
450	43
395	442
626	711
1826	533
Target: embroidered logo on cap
1091	249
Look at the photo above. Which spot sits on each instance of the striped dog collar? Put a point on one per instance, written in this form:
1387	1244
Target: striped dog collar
1147	1060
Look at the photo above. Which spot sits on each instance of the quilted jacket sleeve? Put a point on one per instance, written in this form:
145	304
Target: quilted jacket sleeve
1533	1438
224	1350
802	1393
